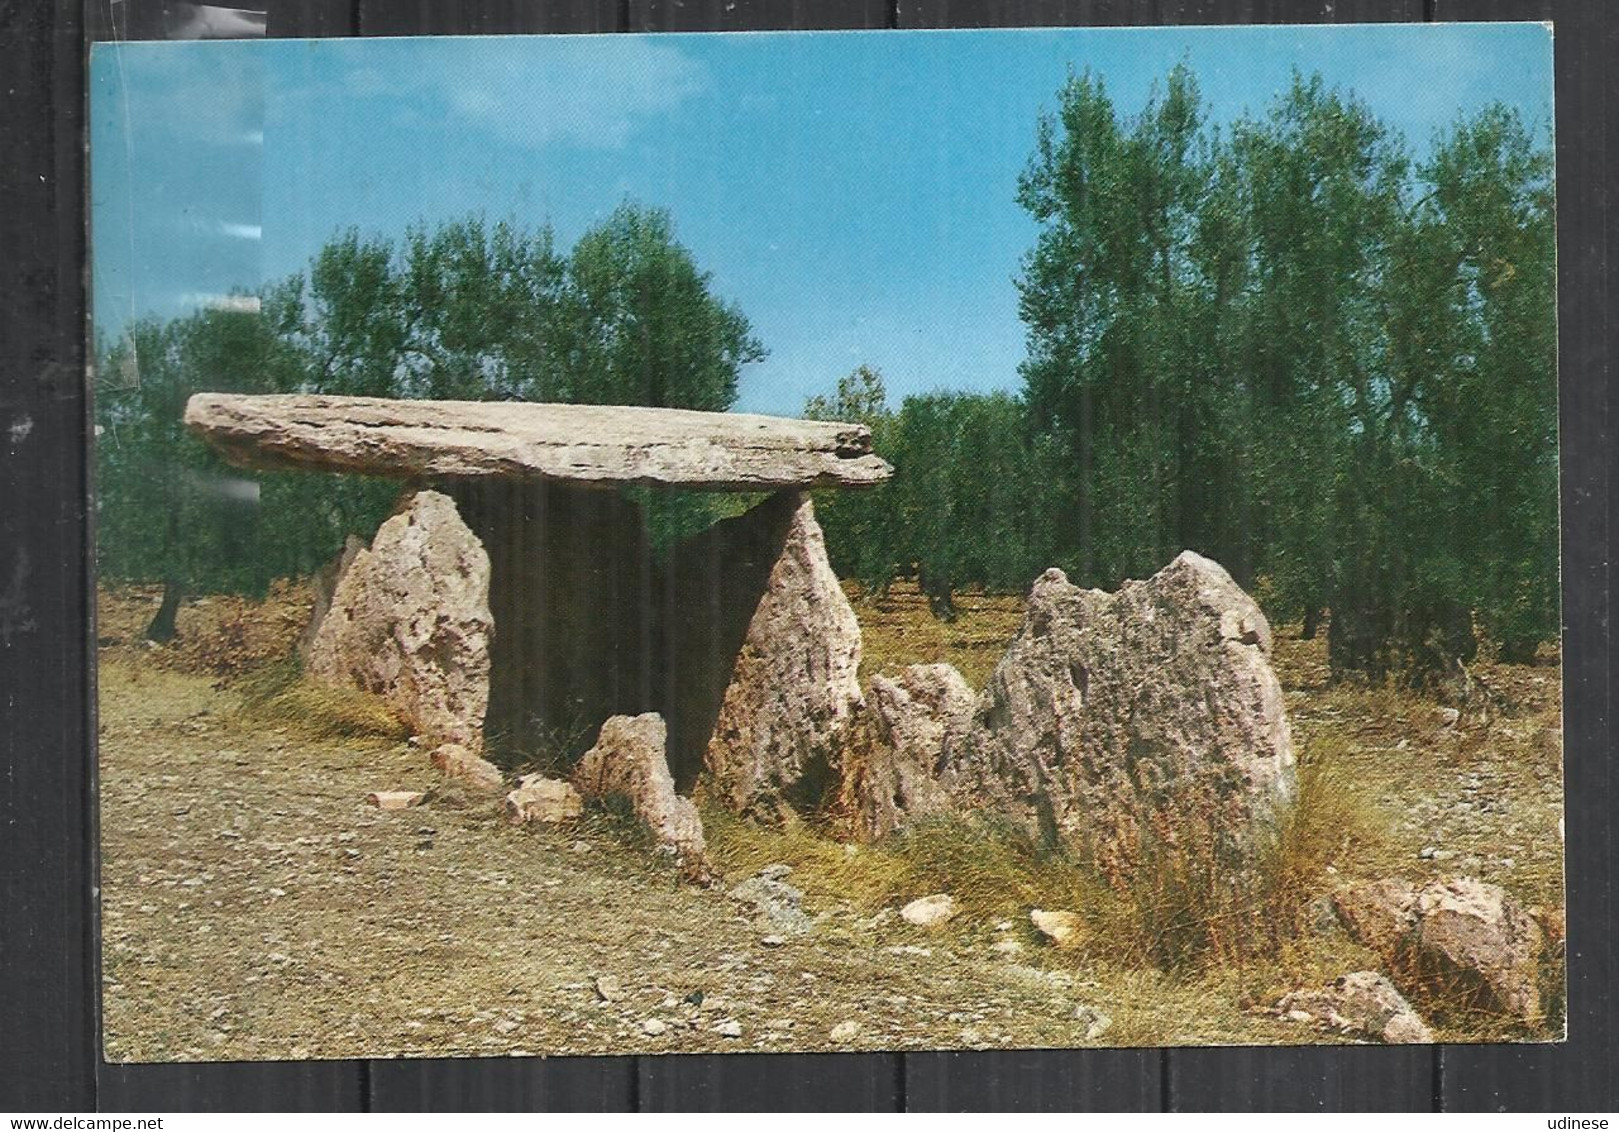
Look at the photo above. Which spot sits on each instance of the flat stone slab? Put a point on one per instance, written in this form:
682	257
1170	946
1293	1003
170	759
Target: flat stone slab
584	444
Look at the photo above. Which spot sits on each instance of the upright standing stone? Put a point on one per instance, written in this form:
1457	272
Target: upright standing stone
628	761
409	621
894	779
1143	720
761	654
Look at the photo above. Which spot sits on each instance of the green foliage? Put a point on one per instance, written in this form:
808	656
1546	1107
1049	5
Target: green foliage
467	311
1286	345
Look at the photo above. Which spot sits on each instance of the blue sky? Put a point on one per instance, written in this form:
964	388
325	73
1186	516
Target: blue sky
853	192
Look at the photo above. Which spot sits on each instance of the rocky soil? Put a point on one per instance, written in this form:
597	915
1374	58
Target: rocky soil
254	906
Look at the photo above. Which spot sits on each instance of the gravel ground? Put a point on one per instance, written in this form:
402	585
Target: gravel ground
254	906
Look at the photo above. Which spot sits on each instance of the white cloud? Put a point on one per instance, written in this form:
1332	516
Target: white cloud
591	91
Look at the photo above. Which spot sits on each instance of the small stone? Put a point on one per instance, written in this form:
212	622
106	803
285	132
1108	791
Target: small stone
846	1031
775	872
542	799
929	911
772	941
395	799
1007	946
1428	852
607	988
654	1027
1003	925
506	1026
1093	1020
1449	717
1065	929
454	760
730	1028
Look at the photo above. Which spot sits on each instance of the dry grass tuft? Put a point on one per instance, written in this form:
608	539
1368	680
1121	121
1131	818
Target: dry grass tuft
279	693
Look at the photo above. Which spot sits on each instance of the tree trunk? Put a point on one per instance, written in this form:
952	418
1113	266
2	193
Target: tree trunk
162	627
1312	621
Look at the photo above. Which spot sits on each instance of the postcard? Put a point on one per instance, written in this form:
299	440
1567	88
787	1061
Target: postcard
639	544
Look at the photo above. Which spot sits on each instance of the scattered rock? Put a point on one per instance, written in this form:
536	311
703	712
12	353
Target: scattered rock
775	872
929	911
776	903
1449	716
1459	942
1428	852
628	761
1095	1022
455	761
772	941
1364	1004
1115	717
395	799
409	621
542	799
730	1028
607	988
1065	929
846	1031
654	1027
1007	947
891	779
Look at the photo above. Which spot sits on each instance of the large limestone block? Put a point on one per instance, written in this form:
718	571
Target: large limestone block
761	641
602	445
409	621
628	761
892	780
1135	722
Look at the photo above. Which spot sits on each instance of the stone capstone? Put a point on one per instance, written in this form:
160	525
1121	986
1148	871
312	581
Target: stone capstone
409	621
628	762
601	445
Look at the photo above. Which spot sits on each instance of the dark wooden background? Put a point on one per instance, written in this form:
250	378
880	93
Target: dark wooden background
49	1051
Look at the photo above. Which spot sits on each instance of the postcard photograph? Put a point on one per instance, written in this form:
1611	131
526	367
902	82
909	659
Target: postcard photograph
640	544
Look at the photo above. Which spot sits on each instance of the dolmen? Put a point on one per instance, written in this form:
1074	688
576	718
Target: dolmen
513	603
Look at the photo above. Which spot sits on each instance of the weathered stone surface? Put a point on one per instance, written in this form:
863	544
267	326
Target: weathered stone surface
542	799
1363	1004
1480	942
792	688
930	911
571	593
1136	720
628	761
1065	929
455	761
325	585
589	444
893	779
409	621
1458	942
777	905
